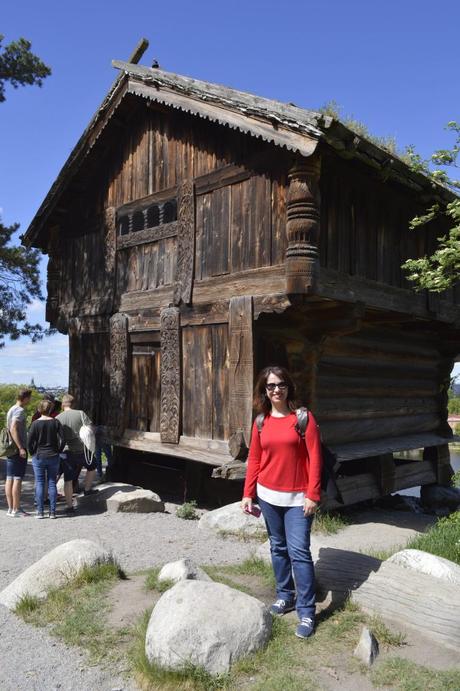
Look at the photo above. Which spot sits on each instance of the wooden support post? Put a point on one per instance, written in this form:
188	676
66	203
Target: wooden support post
241	365
170	373
110	251
440	458
303	215
118	371
185	244
386	473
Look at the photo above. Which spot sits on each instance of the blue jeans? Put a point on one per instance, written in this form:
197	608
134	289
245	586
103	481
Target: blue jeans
98	456
289	532
42	467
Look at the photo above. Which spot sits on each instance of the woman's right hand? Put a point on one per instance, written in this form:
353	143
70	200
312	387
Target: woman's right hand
246	504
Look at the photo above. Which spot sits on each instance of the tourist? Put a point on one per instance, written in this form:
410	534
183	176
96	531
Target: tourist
102	447
284	472
45	443
16	464
73	457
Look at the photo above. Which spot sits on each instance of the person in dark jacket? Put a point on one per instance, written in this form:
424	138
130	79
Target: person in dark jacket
45	443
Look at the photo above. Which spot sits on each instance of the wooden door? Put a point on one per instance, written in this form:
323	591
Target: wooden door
144	411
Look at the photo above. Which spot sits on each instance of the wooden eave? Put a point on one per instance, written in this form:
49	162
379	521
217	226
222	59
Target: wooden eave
283	125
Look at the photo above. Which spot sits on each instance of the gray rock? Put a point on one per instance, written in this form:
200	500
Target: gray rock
263	552
205	624
430	564
103	492
136	501
440	496
182	570
231	518
367	649
53	570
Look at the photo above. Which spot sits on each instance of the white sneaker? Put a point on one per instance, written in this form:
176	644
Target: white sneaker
16	514
9	512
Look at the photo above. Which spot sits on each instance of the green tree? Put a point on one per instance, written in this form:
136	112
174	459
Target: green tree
19	266
441	270
19	66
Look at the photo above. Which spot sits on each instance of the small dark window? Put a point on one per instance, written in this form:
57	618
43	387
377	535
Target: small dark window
153	216
138	221
170	211
123	225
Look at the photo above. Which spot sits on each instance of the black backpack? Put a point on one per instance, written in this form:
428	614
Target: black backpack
330	464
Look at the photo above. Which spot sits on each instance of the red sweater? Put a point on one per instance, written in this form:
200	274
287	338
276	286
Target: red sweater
281	460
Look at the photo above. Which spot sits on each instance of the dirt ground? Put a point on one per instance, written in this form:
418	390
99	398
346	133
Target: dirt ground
147	540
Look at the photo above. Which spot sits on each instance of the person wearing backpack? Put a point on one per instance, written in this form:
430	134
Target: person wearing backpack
75	457
16	461
45	443
284	472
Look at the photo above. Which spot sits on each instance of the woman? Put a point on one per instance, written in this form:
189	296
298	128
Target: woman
45	442
284	471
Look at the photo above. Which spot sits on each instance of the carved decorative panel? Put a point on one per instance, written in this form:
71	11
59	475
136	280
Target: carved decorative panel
185	244
241	365
170	375
118	370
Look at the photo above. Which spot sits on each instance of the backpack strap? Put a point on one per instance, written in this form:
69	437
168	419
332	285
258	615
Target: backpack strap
302	421
260	422
300	425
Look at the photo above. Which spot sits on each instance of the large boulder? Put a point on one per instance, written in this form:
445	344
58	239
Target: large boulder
440	496
137	501
430	564
182	570
205	624
53	570
231	519
413	599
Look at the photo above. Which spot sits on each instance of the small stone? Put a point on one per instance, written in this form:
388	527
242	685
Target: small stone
137	501
182	570
367	649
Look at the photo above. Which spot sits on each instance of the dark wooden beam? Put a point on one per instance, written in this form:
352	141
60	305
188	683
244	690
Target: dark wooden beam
241	365
170	375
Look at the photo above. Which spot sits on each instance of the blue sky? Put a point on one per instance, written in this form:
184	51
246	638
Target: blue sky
393	65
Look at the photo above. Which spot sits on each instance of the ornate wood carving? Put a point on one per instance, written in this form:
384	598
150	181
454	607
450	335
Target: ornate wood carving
74	357
185	244
110	246
241	365
170	369
118	370
167	230
303	205
53	277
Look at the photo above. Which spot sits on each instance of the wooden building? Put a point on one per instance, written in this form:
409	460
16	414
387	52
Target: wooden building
198	233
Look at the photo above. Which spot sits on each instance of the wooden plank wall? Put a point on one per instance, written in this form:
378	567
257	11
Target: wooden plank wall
365	225
205	381
377	383
144	383
90	374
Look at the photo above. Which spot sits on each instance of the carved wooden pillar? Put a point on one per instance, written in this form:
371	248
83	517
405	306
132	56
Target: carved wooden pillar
170	369
185	243
303	205
241	365
53	277
118	370
110	250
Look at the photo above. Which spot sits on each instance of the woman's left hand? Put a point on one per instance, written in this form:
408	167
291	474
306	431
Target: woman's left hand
310	506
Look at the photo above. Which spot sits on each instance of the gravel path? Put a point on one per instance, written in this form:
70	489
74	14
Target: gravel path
30	660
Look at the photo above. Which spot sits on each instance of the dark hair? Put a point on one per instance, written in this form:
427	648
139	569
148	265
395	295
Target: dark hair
261	401
23	394
45	407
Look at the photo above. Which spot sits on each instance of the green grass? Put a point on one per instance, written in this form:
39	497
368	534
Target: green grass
407	676
329	523
443	539
243	537
382	554
188	511
455	481
152	582
76	612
